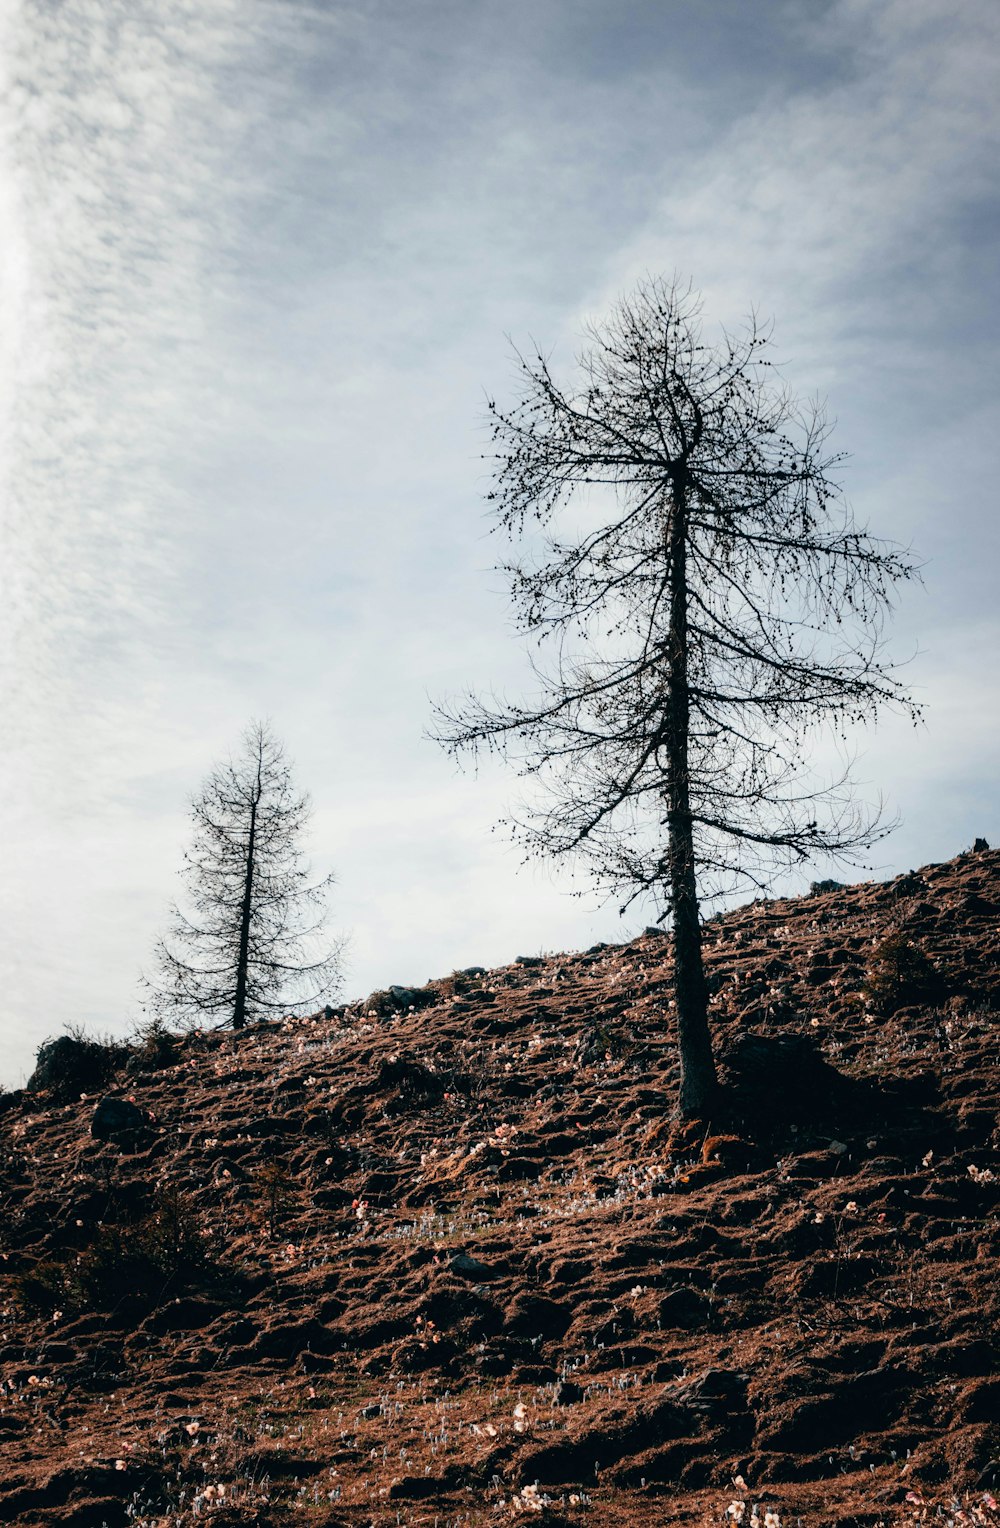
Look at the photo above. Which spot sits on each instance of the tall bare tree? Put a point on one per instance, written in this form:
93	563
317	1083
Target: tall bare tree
247	941
703	604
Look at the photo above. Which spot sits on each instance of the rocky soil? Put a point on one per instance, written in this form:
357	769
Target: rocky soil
441	1257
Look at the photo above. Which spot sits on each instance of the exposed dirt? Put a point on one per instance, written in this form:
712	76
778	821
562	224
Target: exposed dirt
442	1259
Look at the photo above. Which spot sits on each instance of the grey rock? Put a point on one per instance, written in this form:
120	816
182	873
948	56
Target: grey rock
717	1391
396	999
470	1267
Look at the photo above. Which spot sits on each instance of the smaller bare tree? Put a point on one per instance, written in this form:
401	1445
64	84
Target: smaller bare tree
250	939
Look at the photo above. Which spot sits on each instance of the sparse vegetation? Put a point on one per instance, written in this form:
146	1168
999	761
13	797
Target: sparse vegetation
275	1184
456	1262
898	973
140	1264
154	1046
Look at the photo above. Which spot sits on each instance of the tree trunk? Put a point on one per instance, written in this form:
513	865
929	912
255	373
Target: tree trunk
243	958
699	1084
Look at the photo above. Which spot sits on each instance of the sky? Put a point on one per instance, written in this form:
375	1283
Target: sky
262	262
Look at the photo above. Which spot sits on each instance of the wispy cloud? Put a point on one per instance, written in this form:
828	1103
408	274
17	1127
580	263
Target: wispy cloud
115	142
260	257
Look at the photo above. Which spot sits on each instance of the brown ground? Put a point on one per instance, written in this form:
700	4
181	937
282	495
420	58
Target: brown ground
397	1267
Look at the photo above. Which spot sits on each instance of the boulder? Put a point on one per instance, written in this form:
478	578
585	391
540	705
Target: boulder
116	1117
717	1392
72	1064
395	999
470	1267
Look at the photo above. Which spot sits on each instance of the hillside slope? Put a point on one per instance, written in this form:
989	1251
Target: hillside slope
440	1258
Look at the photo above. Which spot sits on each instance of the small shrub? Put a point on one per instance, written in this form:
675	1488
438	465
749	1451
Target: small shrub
899	973
275	1184
75	1063
141	1263
171	1235
43	1287
154	1047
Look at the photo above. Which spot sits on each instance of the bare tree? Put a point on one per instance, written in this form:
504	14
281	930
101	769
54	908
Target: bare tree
247	942
707	603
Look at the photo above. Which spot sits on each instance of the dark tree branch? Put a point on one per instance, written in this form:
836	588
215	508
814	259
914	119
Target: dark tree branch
726	609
